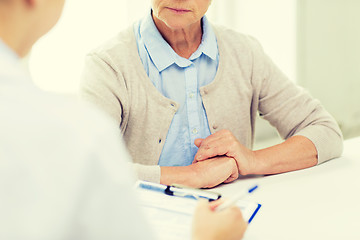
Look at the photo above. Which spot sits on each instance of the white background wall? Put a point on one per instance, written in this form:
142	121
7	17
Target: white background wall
57	59
329	57
272	22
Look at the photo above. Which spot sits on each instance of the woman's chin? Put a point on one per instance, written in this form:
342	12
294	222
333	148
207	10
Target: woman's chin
177	25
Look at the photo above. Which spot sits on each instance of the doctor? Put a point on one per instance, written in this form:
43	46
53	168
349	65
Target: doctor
63	170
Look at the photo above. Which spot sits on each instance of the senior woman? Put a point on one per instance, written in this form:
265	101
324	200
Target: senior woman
185	94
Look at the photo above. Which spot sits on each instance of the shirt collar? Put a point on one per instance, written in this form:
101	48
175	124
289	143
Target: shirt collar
12	70
208	45
161	52
8	54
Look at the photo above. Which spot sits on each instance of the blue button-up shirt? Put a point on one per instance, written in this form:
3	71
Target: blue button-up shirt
179	79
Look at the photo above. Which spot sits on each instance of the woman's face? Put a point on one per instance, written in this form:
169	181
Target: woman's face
177	14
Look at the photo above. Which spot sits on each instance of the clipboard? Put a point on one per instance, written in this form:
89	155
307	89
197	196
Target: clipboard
170	209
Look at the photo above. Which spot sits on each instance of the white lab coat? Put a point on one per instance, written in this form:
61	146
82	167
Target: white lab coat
63	169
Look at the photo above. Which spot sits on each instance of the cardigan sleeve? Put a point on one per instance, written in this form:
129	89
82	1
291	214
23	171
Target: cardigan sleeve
103	86
151	173
100	86
291	109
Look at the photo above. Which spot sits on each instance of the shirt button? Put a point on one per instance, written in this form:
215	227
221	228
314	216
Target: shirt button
194	131
204	92
191	95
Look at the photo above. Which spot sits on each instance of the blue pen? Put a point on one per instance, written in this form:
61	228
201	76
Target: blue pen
235	198
180	191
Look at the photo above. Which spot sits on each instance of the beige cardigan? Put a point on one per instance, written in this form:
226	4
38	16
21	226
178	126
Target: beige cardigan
247	82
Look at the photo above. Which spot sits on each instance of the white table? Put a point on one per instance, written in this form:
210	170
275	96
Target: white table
322	202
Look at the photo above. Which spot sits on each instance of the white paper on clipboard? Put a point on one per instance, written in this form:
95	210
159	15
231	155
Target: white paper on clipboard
170	216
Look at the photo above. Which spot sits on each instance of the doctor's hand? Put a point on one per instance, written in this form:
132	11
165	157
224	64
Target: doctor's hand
211	225
224	143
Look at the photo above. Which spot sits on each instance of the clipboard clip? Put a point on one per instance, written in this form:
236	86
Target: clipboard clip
183	191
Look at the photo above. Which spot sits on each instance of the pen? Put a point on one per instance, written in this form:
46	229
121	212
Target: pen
183	191
231	201
179	190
